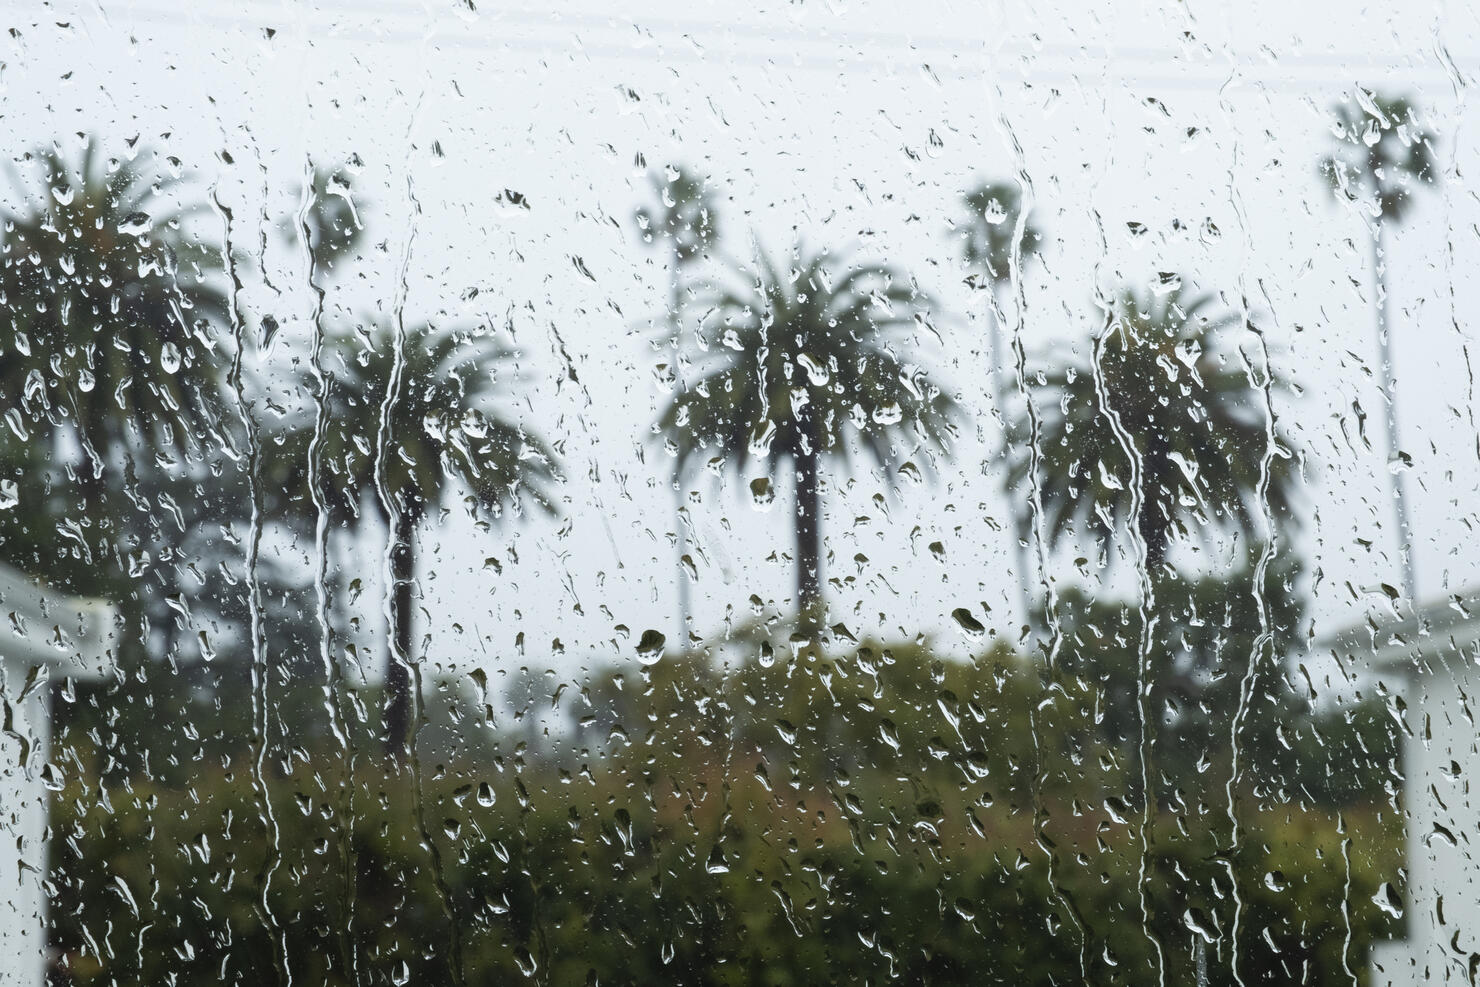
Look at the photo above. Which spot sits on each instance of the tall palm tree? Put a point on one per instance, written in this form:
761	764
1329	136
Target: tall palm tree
334	225
393	460
681	219
1196	423
331	223
988	233
797	365
1381	156
114	301
989	236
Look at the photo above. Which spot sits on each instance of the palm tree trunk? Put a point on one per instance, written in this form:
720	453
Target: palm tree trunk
1154	527
398	667
1390	395
681	547
681	542
1022	521
809	539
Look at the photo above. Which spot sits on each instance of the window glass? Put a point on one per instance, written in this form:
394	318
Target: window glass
788	494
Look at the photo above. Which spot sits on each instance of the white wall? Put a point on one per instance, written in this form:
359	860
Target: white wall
23	815
1441	767
49	637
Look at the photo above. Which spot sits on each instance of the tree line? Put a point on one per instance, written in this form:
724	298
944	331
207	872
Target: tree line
148	455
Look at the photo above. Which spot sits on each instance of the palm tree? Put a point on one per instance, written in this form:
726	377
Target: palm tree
115	304
333	224
1381	156
406	417
327	218
682	220
798	365
1196	424
989	236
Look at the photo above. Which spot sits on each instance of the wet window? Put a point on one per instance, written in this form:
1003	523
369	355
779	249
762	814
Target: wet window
810	493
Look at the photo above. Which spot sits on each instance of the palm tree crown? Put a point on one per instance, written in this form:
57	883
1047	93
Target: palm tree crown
332	225
801	364
113	306
441	426
1381	155
988	232
1196	423
683	218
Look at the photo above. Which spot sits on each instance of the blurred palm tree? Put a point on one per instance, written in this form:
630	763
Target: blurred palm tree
405	418
798	365
989	235
327	218
331	223
680	218
109	374
1380	156
1195	421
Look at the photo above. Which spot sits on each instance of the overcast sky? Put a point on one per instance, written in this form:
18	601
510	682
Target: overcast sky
851	124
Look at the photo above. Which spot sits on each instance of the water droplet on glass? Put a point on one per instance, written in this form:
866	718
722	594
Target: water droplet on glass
650	647
136	224
968	623
1166	283
762	494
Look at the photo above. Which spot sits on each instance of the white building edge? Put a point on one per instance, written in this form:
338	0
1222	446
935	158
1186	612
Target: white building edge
45	637
1432	659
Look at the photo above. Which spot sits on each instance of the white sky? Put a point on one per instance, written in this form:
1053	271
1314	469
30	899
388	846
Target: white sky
848	123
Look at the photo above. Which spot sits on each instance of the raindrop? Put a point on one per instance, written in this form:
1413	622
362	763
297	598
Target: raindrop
1388	899
762	494
1166	283
136	224
650	647
969	625
888	414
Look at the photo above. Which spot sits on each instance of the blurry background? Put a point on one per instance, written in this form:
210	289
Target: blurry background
543	546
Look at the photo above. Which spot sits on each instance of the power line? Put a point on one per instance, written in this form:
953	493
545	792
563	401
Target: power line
683	40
